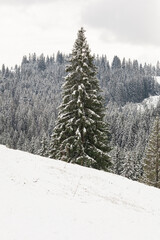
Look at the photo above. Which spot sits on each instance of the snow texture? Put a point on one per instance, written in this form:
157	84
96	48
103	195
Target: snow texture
157	78
150	102
43	198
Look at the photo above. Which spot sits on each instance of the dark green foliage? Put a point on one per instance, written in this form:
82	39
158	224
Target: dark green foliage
3	70
116	63
126	163
41	63
81	135
118	160
44	147
60	58
151	170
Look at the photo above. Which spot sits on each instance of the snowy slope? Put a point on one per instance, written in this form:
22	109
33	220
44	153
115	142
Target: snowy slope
157	78
150	102
44	199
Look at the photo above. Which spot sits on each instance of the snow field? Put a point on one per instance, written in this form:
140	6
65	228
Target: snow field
47	199
157	78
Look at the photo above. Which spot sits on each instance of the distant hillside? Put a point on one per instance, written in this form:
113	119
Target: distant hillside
31	93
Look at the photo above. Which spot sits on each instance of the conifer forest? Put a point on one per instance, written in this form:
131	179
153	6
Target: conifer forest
35	95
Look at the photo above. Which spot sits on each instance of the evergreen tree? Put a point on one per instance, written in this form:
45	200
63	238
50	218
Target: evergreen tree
44	147
3	69
7	72
118	161
151	174
116	63
59	58
128	166
41	63
80	135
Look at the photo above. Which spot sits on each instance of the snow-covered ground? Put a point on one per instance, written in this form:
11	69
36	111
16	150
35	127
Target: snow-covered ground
45	199
150	102
157	78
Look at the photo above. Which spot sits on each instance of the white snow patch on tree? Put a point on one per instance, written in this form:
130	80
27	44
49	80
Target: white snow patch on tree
157	78
150	102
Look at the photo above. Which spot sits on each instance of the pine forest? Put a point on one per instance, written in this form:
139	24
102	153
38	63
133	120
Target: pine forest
84	109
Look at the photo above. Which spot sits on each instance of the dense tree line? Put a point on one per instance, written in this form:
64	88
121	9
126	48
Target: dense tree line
130	127
151	164
29	96
31	93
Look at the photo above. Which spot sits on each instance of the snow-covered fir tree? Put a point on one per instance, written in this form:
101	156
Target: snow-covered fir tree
44	147
128	166
126	163
151	174
118	160
137	166
80	135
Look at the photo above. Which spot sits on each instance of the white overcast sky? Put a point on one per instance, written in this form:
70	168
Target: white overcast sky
126	28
